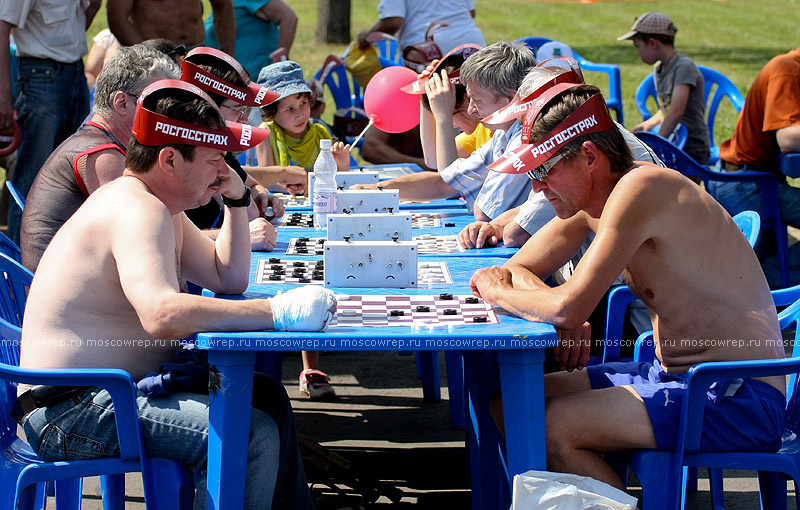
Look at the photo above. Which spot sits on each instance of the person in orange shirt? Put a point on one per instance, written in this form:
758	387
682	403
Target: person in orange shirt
768	125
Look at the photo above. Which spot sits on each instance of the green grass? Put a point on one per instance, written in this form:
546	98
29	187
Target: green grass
735	37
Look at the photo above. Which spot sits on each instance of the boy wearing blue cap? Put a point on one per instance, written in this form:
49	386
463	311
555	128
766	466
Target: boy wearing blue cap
294	135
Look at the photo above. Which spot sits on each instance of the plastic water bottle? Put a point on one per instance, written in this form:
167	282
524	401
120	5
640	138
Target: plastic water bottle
324	197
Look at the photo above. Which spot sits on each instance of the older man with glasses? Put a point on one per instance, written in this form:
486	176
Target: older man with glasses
95	154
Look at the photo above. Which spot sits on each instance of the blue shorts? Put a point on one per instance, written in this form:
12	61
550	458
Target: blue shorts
740	414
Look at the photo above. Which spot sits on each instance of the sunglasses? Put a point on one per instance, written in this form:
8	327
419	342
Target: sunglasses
178	50
540	172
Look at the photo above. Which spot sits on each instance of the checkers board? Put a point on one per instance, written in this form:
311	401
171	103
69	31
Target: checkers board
304	272
426	245
416	311
304	202
306	220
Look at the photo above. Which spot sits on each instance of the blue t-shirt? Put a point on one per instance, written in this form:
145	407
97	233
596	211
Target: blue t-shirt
255	38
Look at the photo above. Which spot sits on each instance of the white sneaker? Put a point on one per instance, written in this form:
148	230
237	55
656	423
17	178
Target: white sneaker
316	385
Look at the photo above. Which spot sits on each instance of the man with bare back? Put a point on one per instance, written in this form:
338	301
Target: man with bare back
181	21
661	231
108	293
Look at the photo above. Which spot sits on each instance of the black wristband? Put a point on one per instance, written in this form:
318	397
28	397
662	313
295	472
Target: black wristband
241	202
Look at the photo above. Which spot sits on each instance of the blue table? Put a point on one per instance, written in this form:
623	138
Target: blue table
512	350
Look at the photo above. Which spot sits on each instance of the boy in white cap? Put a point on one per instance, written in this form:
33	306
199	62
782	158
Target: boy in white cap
679	83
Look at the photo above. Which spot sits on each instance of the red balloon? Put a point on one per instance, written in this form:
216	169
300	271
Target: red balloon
390	109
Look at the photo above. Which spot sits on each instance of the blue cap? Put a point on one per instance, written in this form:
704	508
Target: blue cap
285	78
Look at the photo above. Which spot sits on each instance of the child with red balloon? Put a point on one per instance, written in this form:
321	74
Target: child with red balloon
491	76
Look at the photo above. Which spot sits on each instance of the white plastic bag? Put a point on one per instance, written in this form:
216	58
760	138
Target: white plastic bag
543	490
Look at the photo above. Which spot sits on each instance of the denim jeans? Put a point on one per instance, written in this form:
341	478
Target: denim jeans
52	101
176	426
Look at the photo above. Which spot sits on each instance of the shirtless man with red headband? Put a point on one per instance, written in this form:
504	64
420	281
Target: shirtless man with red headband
660	230
108	294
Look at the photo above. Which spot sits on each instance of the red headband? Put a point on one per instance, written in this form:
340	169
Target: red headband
590	117
153	129
251	95
464	51
517	108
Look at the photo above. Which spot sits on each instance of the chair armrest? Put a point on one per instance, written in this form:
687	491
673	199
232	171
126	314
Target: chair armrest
118	383
618	300
699	379
789	164
645	348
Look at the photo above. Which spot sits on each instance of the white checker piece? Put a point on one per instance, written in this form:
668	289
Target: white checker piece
304	272
376	311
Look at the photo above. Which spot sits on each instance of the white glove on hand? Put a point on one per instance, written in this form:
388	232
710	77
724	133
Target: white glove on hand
307	308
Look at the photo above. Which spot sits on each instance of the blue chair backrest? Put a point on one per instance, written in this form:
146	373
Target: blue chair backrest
534	42
750	224
16	195
614	97
343	87
388	50
716	87
14	286
10	248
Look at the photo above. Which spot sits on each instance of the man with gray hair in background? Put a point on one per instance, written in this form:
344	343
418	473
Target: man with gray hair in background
95	153
491	77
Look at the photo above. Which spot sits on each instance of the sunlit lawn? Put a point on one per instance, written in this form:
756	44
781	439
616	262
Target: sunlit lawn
736	37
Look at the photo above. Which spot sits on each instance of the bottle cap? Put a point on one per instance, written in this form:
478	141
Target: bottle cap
325	143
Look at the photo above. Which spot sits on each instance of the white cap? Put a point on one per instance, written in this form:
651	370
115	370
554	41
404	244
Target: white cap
325	143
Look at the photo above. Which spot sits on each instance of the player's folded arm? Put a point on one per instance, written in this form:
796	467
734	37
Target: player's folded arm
206	264
551	247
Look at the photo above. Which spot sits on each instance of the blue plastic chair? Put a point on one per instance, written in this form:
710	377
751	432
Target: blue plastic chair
750	224
388	51
789	164
347	94
677	137
663	474
619	299
18	198
770	212
614	98
10	248
722	88
343	87
167	483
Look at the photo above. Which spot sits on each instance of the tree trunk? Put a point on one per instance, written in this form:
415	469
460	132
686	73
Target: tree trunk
333	21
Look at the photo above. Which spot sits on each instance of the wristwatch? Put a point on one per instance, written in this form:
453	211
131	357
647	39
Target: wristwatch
240	202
